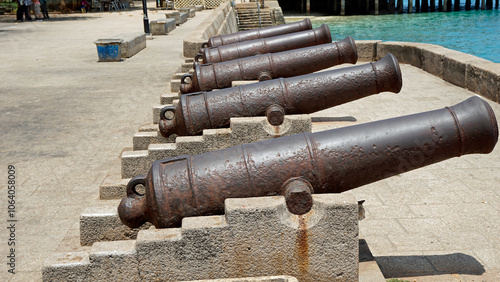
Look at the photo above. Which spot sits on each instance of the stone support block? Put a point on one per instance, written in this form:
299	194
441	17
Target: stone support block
256	237
367	50
184	17
199	8
162	26
132	43
191	13
174	15
168	98
142	140
110	261
103	224
67	267
185	68
114	261
175	85
242	130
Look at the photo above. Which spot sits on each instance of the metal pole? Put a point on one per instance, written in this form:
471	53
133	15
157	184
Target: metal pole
146	20
258	11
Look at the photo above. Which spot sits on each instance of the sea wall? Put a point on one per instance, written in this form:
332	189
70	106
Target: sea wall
473	73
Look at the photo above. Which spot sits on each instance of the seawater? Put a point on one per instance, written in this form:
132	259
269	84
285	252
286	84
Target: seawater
475	32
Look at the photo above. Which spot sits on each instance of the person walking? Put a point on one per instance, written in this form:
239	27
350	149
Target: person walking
43	7
38	13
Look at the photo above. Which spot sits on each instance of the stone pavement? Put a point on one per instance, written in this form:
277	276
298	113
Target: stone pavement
66	119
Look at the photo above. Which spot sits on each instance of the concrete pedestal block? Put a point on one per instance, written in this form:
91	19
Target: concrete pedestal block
184	17
242	130
255	237
162	26
199	8
191	13
109	50
179	17
174	15
132	43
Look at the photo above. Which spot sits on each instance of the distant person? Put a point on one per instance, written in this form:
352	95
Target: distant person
38	13
29	5
23	9
43	6
85	6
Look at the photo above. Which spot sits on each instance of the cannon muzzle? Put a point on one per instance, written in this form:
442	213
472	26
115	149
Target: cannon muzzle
331	161
274	98
264	32
273	44
268	66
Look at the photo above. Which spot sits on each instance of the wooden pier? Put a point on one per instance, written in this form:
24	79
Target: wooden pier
376	7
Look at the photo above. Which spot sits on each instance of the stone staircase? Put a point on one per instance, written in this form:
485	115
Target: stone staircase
248	16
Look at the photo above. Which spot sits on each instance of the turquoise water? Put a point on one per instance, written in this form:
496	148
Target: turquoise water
475	32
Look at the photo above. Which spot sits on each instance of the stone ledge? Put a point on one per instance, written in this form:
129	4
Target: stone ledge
464	70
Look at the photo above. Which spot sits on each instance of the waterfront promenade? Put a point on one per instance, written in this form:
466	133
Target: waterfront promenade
66	119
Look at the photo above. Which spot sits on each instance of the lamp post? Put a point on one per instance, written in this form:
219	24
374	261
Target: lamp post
146	20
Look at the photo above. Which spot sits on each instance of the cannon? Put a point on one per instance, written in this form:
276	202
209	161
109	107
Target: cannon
264	32
268	66
280	43
274	98
296	166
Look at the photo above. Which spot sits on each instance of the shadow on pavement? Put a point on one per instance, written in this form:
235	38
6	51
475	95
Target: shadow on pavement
332	119
410	266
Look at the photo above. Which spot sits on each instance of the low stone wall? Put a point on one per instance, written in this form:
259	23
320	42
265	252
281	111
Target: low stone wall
221	21
473	73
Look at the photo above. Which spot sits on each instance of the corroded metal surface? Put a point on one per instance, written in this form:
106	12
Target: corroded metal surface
331	161
264	32
273	44
296	95
268	66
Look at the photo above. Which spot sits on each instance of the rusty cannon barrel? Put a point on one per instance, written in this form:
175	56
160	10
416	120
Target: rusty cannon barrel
331	161
274	98
268	66
264	32
273	44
